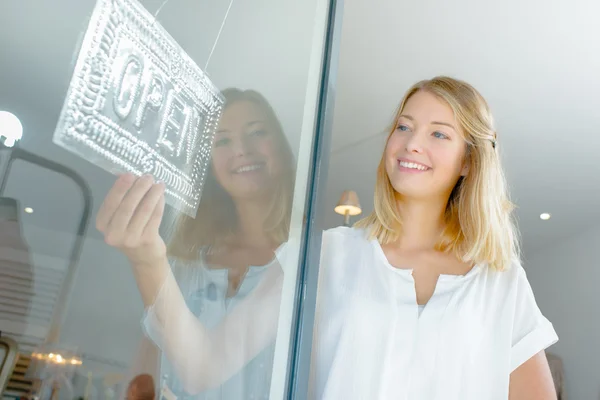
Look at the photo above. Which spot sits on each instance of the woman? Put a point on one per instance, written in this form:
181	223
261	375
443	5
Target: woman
425	298
221	256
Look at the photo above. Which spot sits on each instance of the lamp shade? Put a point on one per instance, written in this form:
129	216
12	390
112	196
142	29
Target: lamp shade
348	204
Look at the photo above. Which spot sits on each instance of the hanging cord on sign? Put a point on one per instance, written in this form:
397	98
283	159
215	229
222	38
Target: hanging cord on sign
218	36
160	8
214	46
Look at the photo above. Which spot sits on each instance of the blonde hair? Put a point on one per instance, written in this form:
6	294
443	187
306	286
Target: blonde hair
478	223
216	218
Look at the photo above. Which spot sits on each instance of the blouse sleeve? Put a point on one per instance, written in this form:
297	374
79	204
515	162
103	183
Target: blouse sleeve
532	332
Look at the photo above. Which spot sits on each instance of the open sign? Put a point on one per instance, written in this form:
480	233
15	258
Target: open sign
138	103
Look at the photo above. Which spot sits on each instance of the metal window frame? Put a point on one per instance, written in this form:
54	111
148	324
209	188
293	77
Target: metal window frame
310	251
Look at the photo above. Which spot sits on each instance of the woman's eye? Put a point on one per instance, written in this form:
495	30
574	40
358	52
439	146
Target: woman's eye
402	128
222	142
440	135
260	132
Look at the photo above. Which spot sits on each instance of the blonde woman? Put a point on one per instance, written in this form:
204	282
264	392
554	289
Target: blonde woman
217	260
424	299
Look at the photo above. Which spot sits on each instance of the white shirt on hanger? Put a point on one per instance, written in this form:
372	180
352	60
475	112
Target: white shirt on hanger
372	342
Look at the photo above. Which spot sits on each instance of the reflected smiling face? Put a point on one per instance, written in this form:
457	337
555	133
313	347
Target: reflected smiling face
425	154
246	160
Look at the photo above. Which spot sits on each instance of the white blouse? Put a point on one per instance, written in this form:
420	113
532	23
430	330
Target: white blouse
371	342
204	290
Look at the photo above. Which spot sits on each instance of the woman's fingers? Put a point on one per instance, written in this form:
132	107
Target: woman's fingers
146	212
156	218
117	227
113	200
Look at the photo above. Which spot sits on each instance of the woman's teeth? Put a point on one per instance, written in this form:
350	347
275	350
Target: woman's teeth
248	168
413	166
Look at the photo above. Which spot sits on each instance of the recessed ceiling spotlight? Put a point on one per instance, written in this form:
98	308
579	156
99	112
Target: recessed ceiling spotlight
545	216
28	210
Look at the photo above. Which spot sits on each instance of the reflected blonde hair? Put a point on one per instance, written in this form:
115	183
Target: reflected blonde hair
478	224
216	218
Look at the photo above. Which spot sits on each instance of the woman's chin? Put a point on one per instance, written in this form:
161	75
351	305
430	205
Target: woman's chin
415	192
252	192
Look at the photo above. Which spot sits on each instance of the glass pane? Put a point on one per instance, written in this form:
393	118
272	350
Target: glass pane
150	246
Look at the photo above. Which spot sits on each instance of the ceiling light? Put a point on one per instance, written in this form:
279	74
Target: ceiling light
545	216
28	210
11	129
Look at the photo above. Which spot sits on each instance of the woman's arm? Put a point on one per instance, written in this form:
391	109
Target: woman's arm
205	358
532	380
129	218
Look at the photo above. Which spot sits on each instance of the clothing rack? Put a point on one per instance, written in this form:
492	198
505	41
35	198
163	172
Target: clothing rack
17	153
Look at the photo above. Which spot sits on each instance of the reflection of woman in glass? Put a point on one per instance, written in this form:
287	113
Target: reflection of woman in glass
219	258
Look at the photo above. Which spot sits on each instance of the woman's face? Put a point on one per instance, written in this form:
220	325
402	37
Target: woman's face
246	159
424	156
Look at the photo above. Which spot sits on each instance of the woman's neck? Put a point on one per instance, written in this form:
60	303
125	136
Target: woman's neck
422	224
251	224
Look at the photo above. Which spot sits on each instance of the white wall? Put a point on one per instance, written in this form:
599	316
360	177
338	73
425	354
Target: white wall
565	277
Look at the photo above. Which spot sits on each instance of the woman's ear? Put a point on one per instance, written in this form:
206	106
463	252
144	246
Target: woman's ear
465	169
466	163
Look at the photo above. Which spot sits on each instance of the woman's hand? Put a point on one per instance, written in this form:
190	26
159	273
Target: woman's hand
130	217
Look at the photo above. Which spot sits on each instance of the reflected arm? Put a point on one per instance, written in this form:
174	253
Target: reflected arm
205	358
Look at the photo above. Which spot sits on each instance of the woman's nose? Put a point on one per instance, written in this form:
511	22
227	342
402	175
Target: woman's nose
243	146
414	143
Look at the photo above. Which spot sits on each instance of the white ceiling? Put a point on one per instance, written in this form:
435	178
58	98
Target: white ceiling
536	62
